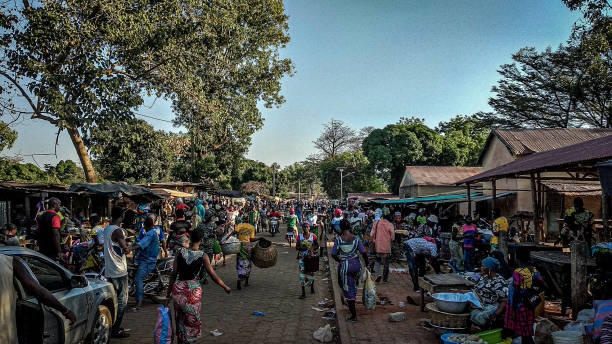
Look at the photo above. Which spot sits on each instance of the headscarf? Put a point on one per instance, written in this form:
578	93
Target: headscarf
201	209
504	269
491	263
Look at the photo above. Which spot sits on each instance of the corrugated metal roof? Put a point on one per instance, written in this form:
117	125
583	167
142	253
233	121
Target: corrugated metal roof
428	199
528	141
588	152
372	195
574	189
440	175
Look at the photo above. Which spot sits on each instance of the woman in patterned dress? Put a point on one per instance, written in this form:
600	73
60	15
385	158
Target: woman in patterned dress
305	245
492	291
346	251
186	290
519	318
246	235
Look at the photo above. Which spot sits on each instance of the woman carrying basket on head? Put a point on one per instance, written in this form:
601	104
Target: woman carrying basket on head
305	245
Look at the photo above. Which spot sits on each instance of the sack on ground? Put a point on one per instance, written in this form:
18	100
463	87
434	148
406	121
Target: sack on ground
369	292
323	334
397	317
163	327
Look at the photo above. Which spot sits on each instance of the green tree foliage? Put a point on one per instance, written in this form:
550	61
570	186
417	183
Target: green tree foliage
462	140
134	152
360	177
65	172
411	142
567	87
82	64
7	136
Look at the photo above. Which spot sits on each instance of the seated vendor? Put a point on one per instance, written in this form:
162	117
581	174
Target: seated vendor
492	291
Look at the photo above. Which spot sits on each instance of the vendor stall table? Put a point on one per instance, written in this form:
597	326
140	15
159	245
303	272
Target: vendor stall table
555	268
514	248
441	283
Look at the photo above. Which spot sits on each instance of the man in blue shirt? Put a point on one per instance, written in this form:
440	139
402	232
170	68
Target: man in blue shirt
146	250
158	230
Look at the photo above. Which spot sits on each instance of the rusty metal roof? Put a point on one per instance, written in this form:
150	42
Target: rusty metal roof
585	153
574	189
522	142
440	175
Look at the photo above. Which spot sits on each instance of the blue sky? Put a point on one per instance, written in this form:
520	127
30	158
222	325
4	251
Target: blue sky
369	63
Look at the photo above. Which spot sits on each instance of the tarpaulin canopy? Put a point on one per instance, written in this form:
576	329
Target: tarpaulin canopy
229	193
605	176
428	199
117	190
173	193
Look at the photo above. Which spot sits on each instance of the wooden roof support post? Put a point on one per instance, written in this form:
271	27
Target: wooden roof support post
469	197
493	199
605	203
534	199
579	276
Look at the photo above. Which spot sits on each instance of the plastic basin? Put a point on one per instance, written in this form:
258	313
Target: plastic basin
492	336
446	341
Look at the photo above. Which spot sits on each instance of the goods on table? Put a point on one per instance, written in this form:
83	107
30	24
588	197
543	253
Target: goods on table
264	254
447	320
231	246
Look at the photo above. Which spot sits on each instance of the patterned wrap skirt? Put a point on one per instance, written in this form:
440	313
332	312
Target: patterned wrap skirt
187	297
306	278
348	277
243	261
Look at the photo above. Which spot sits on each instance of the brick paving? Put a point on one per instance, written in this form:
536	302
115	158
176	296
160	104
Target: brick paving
373	326
274	291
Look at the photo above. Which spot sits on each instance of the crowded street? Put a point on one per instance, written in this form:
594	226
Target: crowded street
282	171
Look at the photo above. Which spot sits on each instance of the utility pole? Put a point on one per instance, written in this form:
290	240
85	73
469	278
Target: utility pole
274	180
341	169
299	190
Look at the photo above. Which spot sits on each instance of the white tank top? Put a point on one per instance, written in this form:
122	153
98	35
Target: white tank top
8	299
115	264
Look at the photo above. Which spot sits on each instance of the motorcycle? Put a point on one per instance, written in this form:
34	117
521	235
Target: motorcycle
273	226
155	285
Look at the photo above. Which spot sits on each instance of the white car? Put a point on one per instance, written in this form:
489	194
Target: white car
93	302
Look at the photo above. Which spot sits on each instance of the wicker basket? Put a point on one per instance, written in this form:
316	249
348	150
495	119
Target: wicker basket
231	246
448	320
264	257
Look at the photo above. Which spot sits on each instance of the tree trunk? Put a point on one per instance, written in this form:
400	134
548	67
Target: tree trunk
77	141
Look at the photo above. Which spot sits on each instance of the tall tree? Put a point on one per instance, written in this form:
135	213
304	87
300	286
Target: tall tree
7	136
80	64
335	139
134	152
409	142
462	140
360	177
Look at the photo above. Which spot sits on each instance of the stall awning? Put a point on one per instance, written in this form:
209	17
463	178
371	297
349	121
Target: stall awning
432	199
173	193
574	189
118	189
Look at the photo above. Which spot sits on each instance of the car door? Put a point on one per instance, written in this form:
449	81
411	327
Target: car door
55	279
35	322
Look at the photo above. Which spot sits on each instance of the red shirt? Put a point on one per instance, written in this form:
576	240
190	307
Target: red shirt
181	206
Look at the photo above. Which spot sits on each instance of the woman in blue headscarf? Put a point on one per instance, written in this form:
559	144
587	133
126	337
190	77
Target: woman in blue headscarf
492	291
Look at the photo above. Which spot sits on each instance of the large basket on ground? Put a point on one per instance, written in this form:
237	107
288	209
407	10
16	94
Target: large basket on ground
231	246
447	320
264	254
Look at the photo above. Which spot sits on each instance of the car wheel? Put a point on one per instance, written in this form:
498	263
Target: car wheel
102	326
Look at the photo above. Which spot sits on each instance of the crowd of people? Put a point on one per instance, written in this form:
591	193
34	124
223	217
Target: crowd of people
192	233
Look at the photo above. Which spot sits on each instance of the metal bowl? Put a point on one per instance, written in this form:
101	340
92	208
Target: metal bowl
450	302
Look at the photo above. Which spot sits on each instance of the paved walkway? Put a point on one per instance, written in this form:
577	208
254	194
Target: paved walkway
274	291
374	326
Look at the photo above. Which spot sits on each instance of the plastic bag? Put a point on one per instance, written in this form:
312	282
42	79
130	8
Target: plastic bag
369	292
163	326
323	334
